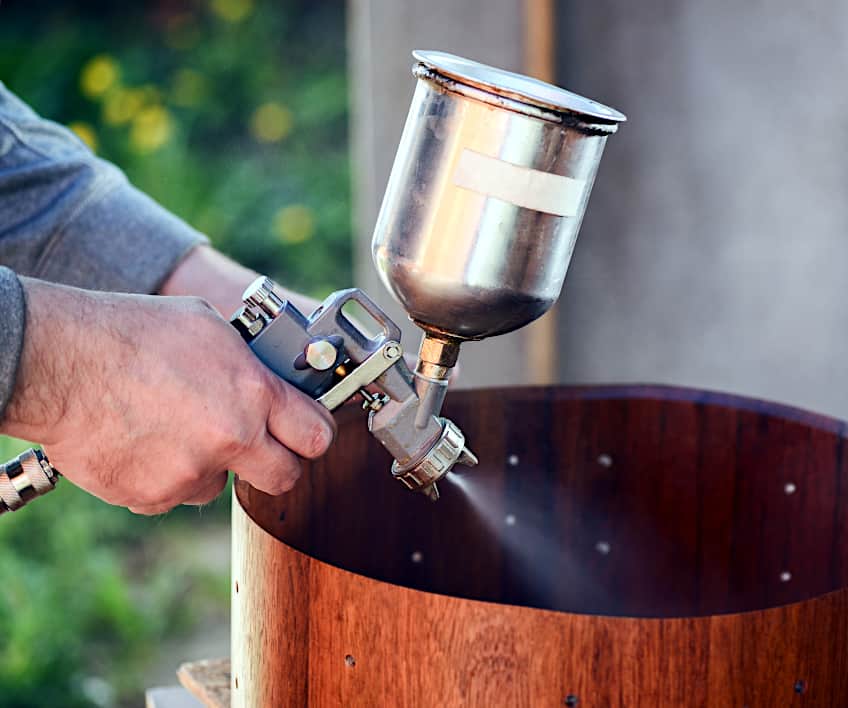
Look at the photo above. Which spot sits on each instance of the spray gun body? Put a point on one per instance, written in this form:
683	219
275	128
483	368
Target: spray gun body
331	358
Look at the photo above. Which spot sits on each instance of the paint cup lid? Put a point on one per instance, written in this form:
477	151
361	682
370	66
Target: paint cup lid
515	86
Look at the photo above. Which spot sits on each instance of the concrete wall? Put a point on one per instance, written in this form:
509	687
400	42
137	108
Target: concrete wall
715	249
382	33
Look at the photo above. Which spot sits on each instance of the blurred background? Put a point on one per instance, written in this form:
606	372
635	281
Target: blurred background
712	252
233	114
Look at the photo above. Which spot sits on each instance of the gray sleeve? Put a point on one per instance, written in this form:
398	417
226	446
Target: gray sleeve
67	216
12	315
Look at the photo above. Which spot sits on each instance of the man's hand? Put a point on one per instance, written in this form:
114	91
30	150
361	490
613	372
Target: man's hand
146	401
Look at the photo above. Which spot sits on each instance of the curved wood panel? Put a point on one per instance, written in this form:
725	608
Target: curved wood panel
616	547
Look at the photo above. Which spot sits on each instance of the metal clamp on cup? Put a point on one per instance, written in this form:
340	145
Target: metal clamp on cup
24	478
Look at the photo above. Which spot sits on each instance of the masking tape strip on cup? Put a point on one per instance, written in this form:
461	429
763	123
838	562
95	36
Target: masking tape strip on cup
521	186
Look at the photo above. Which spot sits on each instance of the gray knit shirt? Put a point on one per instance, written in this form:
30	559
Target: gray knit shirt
69	217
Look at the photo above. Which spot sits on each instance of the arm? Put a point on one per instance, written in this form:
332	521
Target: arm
209	274
146	401
143	401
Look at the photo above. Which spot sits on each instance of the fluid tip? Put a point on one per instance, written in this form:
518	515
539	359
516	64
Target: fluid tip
467	458
431	492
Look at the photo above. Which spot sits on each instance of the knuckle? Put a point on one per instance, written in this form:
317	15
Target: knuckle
161	502
202	306
147	498
279	390
153	510
285	477
319	437
215	489
287	486
254	383
236	442
284	484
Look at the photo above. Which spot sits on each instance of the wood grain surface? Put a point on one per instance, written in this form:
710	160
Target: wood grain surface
624	547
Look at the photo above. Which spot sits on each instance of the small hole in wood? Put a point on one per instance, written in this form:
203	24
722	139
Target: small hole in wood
235	681
282	516
800	686
236	585
571	700
350	661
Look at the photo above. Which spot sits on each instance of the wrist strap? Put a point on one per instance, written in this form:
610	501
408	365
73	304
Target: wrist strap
24	478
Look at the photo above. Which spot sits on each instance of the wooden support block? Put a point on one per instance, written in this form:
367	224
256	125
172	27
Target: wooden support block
170	697
208	680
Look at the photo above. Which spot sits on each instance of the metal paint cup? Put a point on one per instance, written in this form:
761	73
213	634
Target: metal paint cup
486	195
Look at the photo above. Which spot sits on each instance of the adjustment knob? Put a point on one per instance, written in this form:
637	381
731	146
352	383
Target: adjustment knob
321	355
260	293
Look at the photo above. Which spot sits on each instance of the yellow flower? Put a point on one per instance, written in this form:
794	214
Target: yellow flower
121	105
271	122
151	128
99	75
294	224
188	87
232	10
85	133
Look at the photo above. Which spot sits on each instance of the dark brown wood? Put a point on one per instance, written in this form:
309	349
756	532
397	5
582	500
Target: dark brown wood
638	547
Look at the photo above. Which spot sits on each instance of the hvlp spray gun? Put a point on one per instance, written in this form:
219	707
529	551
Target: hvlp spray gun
474	237
478	224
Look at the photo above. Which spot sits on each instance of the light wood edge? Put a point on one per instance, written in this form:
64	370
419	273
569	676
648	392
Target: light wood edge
208	681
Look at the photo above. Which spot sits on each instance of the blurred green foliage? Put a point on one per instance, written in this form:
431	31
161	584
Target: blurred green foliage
233	114
89	595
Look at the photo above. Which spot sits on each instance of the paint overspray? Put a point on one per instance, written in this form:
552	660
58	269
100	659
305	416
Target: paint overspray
537	561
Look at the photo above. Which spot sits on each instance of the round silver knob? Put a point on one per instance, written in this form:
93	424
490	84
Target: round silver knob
260	293
321	355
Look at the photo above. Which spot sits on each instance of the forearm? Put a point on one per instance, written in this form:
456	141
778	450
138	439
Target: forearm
59	320
221	281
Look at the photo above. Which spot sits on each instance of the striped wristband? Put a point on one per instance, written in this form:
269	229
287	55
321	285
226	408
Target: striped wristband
24	478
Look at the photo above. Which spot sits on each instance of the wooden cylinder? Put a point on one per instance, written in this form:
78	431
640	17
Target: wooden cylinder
616	547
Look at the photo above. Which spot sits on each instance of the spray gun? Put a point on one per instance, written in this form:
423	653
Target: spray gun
331	358
474	237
